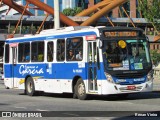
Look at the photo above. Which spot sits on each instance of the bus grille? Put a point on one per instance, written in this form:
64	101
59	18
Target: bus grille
129	75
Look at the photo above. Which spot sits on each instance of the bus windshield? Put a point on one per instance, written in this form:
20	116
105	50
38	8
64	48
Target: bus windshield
126	55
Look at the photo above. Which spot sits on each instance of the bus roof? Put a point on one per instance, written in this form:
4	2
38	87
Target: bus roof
77	31
72	31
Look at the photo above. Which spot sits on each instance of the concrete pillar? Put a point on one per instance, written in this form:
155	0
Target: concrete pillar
115	12
91	3
133	8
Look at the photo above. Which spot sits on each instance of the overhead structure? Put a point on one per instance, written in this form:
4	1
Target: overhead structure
100	9
15	6
50	10
41	6
104	7
93	9
111	4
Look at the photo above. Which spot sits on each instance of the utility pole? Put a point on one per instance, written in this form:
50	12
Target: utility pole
56	14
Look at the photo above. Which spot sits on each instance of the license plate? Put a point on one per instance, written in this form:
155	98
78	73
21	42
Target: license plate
131	87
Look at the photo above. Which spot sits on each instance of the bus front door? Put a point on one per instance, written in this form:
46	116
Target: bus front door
92	66
13	66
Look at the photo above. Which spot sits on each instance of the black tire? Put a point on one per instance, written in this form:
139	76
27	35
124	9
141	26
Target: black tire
74	93
80	90
6	87
29	87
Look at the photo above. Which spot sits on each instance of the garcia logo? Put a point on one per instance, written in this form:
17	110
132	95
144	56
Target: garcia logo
24	69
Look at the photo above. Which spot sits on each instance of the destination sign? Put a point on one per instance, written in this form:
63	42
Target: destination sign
120	34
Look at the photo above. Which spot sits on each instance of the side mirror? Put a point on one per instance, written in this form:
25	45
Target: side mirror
100	44
148	42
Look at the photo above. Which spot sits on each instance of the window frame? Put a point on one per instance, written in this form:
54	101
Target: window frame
52	51
37	53
7	54
60	50
24	53
76	49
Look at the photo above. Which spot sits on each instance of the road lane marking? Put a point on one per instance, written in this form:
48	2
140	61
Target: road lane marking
21	107
70	114
41	110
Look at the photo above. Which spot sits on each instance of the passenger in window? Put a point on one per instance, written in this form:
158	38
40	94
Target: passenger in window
27	57
117	52
23	59
116	49
34	58
135	58
108	51
79	56
71	55
40	57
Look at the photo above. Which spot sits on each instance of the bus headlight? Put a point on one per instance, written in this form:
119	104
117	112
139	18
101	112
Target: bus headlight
109	78
150	75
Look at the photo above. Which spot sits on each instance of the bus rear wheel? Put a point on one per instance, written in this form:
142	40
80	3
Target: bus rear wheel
29	87
80	90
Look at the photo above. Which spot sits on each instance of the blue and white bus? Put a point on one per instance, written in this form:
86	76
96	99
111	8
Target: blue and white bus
80	60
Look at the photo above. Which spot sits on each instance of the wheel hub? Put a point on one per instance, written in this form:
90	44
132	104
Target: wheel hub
81	89
29	87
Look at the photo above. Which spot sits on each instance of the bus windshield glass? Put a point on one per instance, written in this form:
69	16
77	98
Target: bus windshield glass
126	55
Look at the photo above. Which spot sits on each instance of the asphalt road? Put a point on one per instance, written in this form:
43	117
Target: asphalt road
98	108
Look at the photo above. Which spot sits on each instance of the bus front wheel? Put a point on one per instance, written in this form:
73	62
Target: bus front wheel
29	87
80	90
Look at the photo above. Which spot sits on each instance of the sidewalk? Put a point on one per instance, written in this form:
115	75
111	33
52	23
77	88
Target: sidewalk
156	83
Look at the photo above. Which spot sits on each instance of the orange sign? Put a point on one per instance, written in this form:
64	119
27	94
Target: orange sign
120	34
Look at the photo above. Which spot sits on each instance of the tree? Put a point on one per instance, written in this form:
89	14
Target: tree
77	10
68	12
72	12
155	56
150	10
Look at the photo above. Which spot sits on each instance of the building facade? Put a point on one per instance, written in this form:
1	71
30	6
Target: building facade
131	7
4	8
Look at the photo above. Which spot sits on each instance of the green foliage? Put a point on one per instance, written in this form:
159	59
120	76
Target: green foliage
155	56
150	10
77	10
68	12
72	12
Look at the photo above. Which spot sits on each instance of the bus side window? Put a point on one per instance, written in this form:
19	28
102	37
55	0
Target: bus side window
60	50
75	45
37	51
50	48
6	53
24	52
